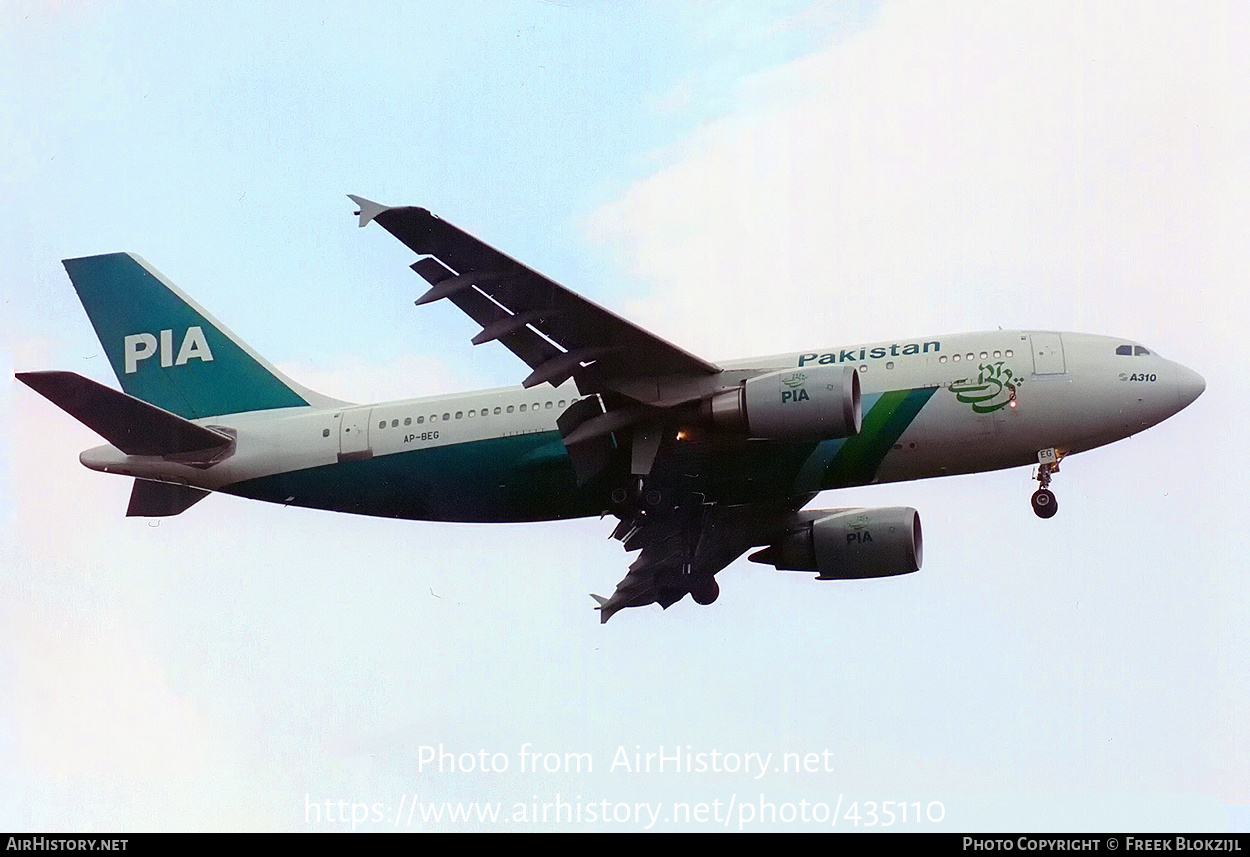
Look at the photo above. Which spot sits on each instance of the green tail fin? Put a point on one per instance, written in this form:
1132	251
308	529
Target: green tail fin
169	352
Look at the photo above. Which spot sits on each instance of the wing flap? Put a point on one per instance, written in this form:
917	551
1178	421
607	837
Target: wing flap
683	548
520	339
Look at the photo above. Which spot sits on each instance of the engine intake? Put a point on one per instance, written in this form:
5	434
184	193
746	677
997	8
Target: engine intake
849	544
812	403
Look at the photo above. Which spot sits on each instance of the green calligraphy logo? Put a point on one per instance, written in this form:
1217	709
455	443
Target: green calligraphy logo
994	388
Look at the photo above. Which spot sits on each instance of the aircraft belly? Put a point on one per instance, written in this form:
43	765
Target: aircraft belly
859	460
950	437
501	479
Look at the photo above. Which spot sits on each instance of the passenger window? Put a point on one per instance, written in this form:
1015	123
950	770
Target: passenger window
472	414
889	364
446	417
942	359
325	432
382	424
459	414
509	408
420	420
496	411
522	408
549	406
407	421
394	423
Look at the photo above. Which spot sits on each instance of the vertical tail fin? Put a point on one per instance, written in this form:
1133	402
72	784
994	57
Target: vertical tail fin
166	350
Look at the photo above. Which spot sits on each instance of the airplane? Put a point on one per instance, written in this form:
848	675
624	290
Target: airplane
698	462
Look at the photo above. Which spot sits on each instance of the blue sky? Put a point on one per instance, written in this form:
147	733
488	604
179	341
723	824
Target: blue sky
742	179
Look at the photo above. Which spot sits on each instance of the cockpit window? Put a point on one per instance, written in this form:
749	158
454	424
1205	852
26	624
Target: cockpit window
1125	349
1138	350
1131	350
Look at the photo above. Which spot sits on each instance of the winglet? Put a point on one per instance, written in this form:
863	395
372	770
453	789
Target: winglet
368	208
605	609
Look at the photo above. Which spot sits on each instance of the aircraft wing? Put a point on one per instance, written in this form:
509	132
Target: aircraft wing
560	334
683	548
637	387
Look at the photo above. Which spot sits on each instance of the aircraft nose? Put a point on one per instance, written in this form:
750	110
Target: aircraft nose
1189	386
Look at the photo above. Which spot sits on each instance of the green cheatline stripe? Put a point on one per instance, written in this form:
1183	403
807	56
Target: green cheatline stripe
857	461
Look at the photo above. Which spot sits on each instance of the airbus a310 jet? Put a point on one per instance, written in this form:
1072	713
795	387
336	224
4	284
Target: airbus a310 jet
700	462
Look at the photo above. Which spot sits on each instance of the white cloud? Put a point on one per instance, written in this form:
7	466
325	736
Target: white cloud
955	166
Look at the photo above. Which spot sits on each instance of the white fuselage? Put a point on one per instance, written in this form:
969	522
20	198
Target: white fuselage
939	405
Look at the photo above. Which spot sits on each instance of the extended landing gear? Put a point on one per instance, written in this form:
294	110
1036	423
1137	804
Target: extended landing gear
1044	503
637	497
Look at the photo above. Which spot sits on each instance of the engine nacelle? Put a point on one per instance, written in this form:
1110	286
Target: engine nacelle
850	544
812	403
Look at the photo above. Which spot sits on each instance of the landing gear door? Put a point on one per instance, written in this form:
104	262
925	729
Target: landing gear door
354	435
1047	354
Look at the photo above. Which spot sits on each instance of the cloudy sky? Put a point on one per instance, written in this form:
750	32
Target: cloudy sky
742	178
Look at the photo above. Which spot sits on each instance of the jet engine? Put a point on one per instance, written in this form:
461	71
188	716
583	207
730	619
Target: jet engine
811	403
849	544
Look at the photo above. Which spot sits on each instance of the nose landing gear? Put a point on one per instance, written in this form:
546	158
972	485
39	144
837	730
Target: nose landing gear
1044	503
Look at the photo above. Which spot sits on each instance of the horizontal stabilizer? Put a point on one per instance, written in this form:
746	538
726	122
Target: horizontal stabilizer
130	424
150	499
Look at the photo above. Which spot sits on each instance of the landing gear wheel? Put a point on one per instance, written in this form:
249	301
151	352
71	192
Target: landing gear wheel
705	590
636	496
1044	503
